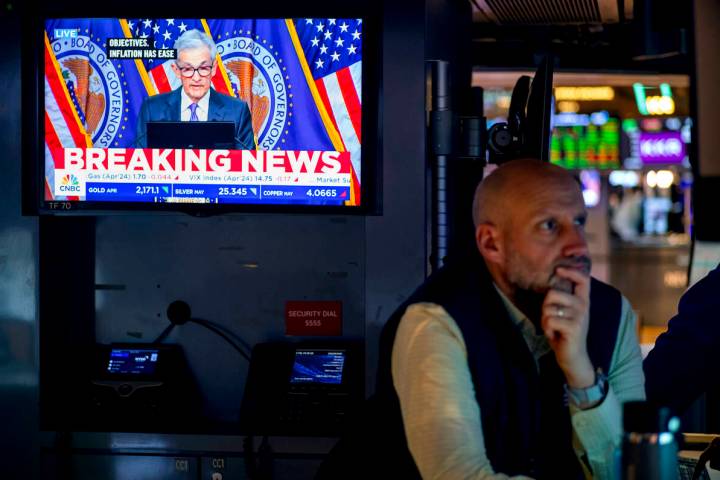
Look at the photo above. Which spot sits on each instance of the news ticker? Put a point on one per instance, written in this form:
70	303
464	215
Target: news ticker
202	176
218	161
218	193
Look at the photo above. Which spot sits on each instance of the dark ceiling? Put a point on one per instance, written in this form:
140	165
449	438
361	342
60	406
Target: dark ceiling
658	39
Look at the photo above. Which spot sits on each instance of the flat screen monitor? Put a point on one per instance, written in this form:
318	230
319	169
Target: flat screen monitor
258	114
537	129
318	367
529	115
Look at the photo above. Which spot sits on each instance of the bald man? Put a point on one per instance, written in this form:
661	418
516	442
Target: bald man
513	363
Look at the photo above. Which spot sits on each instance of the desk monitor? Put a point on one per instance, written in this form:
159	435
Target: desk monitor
191	135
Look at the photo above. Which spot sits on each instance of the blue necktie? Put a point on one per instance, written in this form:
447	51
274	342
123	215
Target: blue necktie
193	112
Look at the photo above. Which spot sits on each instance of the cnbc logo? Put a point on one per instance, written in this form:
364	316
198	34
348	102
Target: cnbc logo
69	185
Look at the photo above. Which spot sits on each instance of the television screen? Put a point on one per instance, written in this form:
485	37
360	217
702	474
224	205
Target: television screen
203	111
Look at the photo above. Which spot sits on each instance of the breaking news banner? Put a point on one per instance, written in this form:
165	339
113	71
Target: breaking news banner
291	87
204	176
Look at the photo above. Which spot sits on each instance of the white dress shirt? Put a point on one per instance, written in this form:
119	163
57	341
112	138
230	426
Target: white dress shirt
202	108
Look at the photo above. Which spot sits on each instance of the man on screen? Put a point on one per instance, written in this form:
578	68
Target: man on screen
195	101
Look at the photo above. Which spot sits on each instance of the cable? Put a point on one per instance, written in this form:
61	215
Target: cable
213	328
164	333
179	313
235	337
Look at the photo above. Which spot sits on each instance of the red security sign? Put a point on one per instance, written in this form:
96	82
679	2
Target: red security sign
313	318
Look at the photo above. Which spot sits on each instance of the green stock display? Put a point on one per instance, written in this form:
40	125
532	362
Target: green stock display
586	146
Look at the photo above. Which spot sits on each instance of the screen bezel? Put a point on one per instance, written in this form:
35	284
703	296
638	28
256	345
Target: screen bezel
34	202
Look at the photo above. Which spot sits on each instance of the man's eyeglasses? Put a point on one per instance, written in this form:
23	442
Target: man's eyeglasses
187	71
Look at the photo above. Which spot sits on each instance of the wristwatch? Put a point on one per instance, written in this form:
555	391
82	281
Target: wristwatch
585	398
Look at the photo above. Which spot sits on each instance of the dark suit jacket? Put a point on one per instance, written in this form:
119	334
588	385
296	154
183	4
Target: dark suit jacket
684	363
166	108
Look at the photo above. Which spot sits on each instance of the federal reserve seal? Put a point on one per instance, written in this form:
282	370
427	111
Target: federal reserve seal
94	86
257	78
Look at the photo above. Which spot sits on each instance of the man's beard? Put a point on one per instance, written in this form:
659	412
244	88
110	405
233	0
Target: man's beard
581	264
530	292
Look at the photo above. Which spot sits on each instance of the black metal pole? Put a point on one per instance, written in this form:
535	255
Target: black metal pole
440	134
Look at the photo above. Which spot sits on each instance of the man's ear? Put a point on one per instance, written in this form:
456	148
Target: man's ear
214	68
487	239
176	70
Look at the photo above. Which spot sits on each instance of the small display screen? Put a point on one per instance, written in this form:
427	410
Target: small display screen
132	361
318	366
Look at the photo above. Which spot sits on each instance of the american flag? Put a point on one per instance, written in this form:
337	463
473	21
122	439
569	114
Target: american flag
333	50
163	32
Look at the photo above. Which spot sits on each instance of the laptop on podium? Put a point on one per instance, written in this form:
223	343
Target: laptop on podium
191	135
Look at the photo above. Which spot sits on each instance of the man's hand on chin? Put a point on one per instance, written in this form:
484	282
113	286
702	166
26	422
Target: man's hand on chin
565	320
